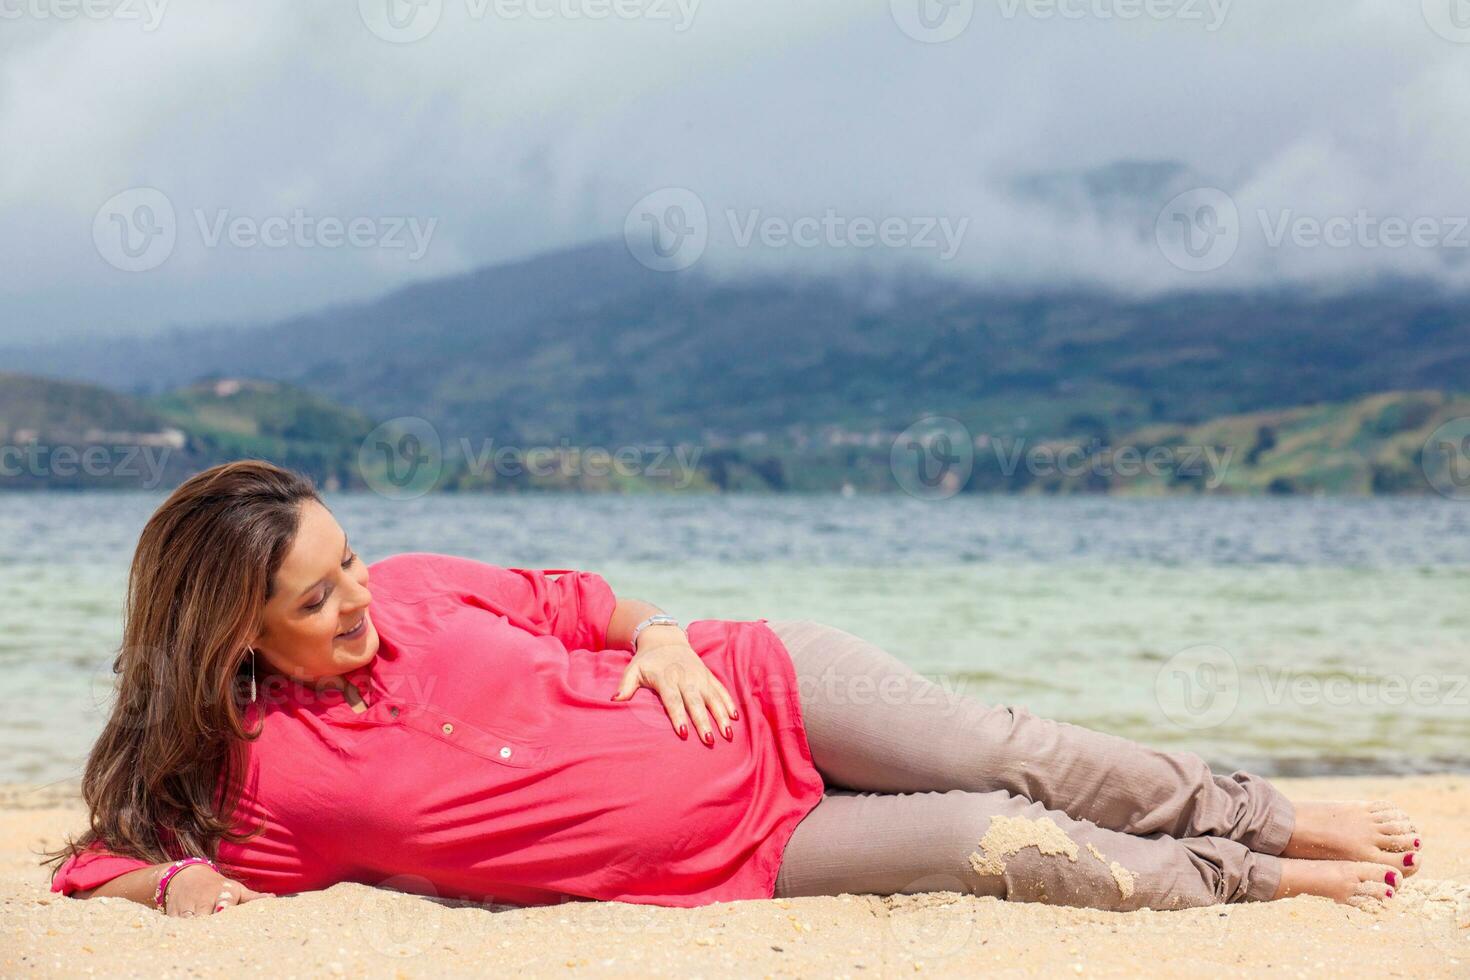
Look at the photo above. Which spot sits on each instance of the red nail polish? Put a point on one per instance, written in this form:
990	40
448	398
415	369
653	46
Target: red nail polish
728	733
1408	860
1390	893
683	731
1416	842
735	715
1392	878
708	738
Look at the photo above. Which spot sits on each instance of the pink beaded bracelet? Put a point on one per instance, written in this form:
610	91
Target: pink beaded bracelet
168	874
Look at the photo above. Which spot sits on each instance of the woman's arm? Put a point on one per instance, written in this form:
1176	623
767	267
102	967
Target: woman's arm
195	890
627	614
136	886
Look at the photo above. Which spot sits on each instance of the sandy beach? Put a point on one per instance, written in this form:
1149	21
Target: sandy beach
352	929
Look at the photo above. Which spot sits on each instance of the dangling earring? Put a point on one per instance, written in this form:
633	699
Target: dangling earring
252	675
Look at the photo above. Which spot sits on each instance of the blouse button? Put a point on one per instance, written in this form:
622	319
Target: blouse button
505	751
393	712
448	729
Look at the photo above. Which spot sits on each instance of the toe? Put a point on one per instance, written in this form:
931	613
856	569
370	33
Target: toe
1370	896
1375	886
1398	843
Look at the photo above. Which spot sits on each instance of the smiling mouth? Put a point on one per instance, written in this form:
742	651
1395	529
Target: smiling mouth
356	631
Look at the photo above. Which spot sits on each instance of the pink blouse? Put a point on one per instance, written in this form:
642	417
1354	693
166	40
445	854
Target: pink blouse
492	764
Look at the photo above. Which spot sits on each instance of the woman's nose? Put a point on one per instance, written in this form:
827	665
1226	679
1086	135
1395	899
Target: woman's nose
358	597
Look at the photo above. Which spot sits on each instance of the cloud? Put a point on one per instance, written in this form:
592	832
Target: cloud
520	132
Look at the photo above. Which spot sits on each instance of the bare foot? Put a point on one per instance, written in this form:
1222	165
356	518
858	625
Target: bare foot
1379	832
1358	883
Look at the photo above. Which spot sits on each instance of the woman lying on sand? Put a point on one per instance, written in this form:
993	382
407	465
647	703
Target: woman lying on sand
470	731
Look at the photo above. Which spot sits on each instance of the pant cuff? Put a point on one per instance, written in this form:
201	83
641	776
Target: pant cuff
1265	878
1280	821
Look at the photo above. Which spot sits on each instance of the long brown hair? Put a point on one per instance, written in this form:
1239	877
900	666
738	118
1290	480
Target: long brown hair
163	779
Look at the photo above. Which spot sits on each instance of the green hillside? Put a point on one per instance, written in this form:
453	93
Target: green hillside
66	435
1378	444
234	418
64	410
1374	445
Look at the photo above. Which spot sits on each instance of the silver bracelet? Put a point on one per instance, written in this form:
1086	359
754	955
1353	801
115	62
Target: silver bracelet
657	619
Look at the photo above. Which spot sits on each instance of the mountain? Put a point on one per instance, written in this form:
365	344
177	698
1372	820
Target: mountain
588	346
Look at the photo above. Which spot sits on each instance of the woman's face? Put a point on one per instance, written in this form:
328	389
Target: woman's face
316	622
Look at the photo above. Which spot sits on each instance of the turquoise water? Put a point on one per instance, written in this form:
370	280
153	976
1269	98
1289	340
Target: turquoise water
1286	635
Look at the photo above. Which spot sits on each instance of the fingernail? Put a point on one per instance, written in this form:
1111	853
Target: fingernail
728	733
1392	878
1408	860
708	738
735	715
683	731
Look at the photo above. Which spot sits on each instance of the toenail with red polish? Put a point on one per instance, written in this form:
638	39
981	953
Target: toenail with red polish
1408	860
1390	893
1416	842
1392	878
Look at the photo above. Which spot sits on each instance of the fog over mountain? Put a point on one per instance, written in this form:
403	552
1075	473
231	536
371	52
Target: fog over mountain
1050	139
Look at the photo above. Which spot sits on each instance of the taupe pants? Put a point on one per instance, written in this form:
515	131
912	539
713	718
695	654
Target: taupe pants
930	791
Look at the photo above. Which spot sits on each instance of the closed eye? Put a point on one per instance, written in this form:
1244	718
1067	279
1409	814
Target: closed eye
347	563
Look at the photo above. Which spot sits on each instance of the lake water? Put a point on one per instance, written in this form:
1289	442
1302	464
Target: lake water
1286	635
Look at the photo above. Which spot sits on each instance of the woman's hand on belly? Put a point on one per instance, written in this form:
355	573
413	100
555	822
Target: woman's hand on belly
691	693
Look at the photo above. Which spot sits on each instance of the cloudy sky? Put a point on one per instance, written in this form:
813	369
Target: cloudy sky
194	161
